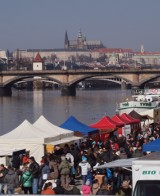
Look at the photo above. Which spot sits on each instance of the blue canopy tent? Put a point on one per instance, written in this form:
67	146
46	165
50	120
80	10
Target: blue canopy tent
153	146
74	125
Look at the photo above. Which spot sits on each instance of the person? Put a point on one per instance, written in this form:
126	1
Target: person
64	169
85	167
11	179
59	190
125	189
95	187
3	172
105	190
71	189
86	189
48	189
34	168
44	172
53	165
27	181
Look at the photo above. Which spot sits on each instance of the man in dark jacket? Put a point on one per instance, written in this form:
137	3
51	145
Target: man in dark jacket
35	170
3	172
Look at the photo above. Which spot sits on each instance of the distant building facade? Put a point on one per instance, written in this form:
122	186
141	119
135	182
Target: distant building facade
81	43
144	57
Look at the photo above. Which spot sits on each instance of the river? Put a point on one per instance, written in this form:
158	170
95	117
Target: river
88	106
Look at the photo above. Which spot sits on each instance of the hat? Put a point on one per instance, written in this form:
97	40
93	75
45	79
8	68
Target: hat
84	158
125	184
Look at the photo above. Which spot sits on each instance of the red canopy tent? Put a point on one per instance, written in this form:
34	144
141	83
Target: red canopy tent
119	119
106	125
130	119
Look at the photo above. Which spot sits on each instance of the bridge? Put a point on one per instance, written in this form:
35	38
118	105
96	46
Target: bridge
68	79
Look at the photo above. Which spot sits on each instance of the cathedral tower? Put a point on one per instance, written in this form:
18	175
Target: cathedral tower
66	41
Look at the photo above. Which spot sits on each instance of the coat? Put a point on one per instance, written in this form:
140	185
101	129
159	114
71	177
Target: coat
35	169
54	169
3	173
86	189
45	170
48	191
11	179
64	167
27	179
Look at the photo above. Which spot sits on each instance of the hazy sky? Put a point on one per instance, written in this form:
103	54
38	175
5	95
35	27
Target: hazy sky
28	24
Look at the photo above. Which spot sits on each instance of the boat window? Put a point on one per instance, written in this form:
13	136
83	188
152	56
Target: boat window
147	187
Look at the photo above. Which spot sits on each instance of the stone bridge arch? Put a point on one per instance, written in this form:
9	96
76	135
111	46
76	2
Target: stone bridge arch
149	78
8	82
12	80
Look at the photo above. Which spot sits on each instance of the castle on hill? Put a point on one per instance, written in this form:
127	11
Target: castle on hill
81	43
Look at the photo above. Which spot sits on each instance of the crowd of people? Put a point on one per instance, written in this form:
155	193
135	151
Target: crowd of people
62	171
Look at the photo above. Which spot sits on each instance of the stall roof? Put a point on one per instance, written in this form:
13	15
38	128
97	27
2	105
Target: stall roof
75	125
153	146
50	129
135	115
129	118
129	162
118	163
106	123
119	119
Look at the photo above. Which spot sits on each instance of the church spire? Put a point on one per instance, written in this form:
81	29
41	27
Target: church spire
66	41
142	48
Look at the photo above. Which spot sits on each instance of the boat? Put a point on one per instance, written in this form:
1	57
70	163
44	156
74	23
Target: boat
140	102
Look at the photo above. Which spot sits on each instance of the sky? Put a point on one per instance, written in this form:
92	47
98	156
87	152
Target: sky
41	24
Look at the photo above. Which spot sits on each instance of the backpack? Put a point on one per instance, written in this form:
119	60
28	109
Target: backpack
109	173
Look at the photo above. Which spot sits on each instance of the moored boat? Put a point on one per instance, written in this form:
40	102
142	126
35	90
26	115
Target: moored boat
150	99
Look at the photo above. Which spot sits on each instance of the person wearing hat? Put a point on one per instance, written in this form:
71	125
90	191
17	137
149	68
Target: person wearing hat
84	167
125	189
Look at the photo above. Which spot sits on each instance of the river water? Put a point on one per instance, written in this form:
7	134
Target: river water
88	106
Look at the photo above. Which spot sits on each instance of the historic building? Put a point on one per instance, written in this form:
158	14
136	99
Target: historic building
72	48
38	63
81	43
145	58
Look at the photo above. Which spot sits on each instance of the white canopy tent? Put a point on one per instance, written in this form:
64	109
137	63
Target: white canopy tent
25	136
60	135
33	137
